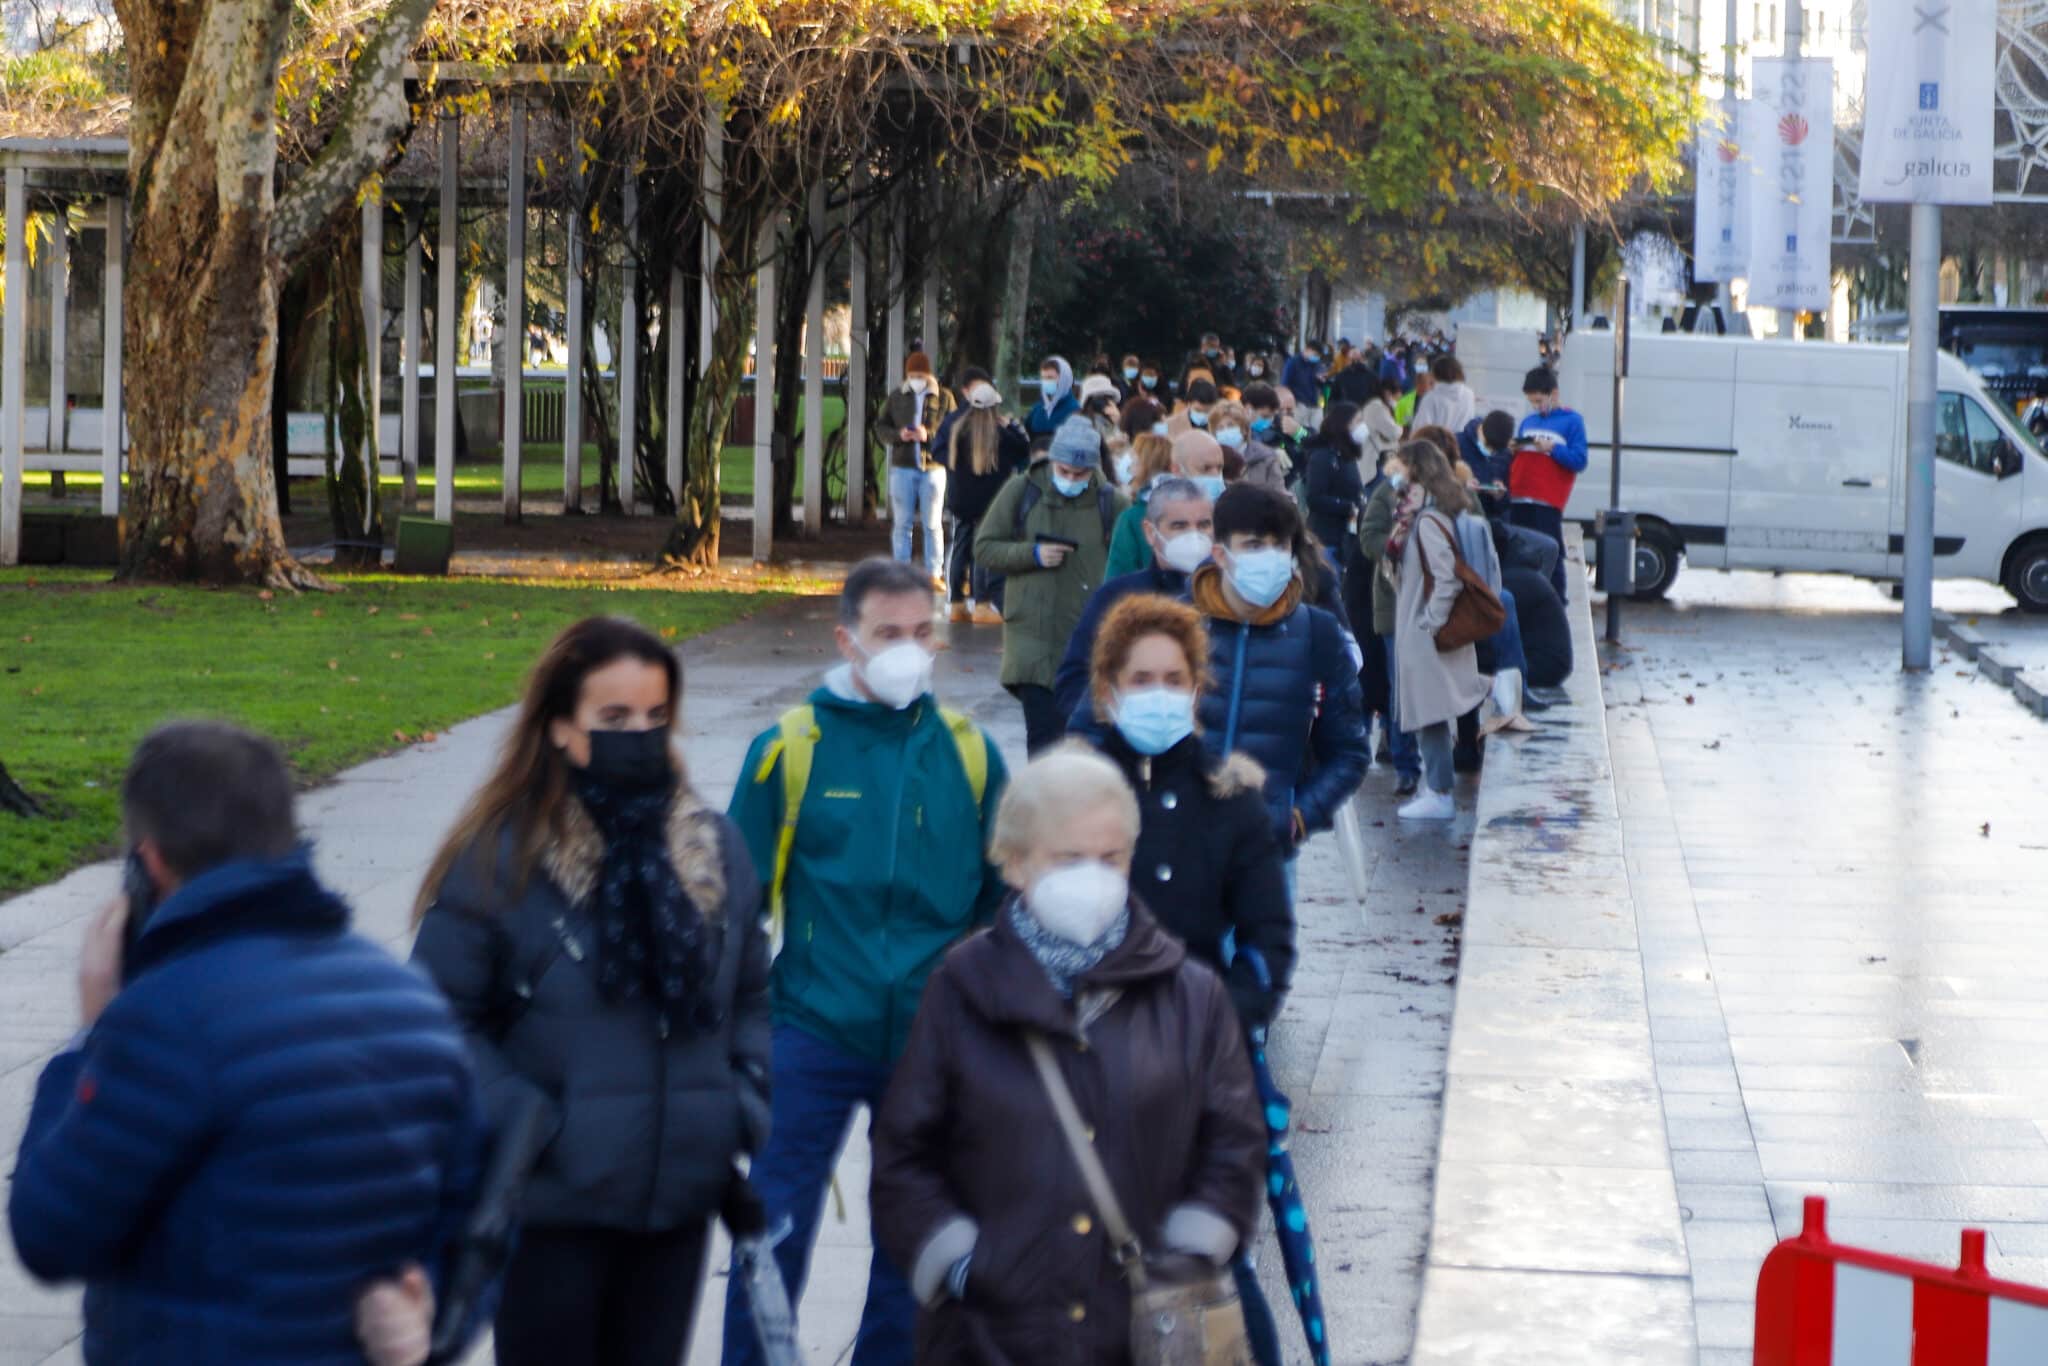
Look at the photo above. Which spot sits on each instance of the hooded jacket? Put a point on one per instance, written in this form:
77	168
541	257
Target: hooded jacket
270	1114
1044	419
887	872
1298	376
1040	605
649	1126
968	1158
1208	867
1449	406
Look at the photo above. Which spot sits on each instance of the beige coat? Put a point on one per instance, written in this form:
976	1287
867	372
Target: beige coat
1432	686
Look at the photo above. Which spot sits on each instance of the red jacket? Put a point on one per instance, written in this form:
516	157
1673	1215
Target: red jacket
1537	478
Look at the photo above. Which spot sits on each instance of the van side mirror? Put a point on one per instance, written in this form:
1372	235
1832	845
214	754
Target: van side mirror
2007	461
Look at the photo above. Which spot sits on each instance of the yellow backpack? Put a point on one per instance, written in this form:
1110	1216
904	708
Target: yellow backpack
795	743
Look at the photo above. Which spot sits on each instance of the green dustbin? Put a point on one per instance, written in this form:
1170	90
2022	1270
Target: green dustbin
424	545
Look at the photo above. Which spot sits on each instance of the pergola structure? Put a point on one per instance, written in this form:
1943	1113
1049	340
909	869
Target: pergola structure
43	174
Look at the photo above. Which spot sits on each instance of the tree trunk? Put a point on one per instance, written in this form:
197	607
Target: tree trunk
1009	358
353	493
210	243
14	798
792	303
694	538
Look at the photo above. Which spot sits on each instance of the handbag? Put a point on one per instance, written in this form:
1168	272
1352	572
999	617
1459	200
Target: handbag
1197	1322
1477	613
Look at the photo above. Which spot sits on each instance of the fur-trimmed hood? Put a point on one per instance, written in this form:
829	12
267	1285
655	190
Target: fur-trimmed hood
1237	774
572	860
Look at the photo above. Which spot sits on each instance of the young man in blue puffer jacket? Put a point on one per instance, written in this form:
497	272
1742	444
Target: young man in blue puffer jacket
268	1125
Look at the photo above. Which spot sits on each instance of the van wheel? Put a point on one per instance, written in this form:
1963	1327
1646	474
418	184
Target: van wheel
2026	578
1657	553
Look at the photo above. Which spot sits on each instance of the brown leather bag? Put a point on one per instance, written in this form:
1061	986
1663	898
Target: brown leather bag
1477	613
1195	1322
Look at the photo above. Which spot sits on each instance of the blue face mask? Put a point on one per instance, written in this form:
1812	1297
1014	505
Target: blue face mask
1159	429
1211	485
1263	426
1071	488
1261	576
1129	373
1199	418
1154	720
1151	381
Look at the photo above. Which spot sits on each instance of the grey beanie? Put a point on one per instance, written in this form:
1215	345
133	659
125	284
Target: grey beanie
1076	443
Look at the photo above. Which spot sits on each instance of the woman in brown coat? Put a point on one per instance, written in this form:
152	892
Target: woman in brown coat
976	1194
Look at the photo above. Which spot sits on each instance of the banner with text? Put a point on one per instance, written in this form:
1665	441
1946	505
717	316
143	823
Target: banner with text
1927	110
1791	122
1722	176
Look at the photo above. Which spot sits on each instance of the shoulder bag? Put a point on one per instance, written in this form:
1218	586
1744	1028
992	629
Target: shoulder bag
1477	613
1192	1323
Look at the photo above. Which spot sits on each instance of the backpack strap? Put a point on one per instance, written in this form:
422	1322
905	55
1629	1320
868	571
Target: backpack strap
973	746
795	742
1026	501
1105	508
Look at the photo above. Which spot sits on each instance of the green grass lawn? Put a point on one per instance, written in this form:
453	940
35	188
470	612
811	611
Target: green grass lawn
87	668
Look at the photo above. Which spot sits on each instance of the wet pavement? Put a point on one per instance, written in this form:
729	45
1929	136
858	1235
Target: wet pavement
1836	871
1361	1045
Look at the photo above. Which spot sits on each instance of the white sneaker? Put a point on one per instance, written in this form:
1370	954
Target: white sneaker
1429	806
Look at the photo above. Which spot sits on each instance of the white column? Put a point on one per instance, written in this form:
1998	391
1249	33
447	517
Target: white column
572	386
672	417
764	390
627	364
445	304
13	360
814	372
1301	320
714	214
514	334
857	352
112	409
1923	384
898	285
409	362
373	336
928	319
1578	318
58	431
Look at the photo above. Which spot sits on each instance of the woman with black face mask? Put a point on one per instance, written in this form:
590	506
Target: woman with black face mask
597	929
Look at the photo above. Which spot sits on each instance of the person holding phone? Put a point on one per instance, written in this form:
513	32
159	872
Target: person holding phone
1048	531
192	1157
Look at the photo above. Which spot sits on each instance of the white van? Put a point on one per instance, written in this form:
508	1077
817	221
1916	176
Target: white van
1741	454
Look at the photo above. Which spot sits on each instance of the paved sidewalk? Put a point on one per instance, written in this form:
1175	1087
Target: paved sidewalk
1838	871
1361	1046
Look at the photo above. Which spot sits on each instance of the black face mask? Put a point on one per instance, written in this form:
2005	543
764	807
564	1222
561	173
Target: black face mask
630	759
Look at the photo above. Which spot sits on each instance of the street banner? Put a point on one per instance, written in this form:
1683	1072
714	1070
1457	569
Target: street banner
1927	110
1722	175
1792	140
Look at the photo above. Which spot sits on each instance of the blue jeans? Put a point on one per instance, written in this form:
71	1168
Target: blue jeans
918	498
1401	744
817	1086
1507	641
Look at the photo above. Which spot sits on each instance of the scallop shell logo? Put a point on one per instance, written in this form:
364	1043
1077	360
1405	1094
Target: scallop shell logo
1792	130
1728	151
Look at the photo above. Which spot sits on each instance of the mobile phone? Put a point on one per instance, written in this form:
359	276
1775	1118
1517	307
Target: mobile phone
141	893
1042	539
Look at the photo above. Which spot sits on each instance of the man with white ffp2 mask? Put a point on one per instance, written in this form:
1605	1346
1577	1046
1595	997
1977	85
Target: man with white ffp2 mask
866	812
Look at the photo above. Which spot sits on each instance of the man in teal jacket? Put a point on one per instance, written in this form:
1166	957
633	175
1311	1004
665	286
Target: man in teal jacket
881	872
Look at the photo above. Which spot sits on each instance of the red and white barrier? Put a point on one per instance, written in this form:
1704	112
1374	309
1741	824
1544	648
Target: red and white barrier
1819	1303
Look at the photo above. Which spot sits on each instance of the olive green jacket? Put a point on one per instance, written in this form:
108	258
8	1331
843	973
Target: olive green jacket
1041	606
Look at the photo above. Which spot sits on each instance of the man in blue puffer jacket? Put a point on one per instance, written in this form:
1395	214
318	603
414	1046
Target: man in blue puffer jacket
1284	685
266	1116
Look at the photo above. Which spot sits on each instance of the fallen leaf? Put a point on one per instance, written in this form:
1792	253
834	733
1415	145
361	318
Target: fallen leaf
373	610
1451	918
399	736
408	616
398	654
334	664
265	595
1985	830
1688	699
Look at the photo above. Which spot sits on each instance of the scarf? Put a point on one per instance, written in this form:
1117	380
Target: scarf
1407	505
650	935
1063	960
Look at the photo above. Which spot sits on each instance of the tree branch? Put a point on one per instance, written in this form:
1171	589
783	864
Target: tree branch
374	113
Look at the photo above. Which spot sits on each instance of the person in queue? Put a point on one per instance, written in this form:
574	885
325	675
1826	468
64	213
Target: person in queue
975	1187
1335	484
596	926
876	865
910	419
1231	424
1177	526
1056	400
1550	456
1434	687
1194	456
1048	533
1206	863
190	1155
981	448
1198	396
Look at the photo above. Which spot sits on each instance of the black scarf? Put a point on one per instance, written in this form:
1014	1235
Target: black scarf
650	936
